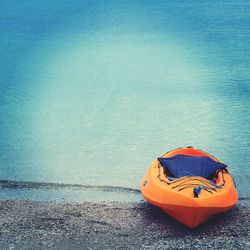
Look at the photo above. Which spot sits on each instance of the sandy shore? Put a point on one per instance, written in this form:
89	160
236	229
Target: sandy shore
113	225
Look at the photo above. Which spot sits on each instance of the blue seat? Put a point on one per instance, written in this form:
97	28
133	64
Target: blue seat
184	165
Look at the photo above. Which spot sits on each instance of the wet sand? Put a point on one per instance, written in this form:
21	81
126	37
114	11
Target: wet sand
115	225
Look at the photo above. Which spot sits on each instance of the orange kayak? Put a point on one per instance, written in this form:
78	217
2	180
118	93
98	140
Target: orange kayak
189	185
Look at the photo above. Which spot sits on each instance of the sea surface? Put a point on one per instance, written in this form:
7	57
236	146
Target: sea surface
91	92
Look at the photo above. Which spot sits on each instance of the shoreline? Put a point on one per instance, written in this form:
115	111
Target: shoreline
27	224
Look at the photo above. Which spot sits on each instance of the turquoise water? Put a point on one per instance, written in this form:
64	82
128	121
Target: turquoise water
92	91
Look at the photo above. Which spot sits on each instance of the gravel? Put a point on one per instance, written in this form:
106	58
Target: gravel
115	225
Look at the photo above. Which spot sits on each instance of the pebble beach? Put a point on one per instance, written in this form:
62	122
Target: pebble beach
29	224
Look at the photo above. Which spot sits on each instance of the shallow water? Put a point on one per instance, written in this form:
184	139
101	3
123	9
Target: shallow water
92	91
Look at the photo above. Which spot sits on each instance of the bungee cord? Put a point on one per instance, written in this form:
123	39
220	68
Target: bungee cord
184	182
